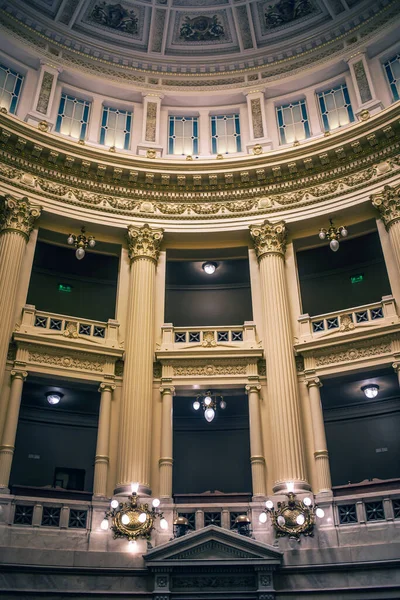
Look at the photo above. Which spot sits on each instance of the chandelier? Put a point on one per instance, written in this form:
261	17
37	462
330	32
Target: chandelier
333	233
294	517
209	403
81	242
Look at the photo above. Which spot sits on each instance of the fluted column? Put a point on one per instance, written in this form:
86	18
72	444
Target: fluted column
256	446
136	401
166	460
321	455
396	367
270	245
10	426
102	458
17	221
388	204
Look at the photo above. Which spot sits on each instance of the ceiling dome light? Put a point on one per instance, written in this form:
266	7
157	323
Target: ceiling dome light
54	397
196	405
114	503
209	414
263	517
209	267
371	390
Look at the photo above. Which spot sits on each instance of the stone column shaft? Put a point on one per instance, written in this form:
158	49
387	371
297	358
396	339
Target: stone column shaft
102	458
136	402
256	446
18	220
270	244
388	204
321	455
166	459
10	426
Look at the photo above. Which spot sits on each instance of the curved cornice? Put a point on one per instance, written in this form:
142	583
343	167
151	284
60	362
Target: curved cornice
315	173
62	48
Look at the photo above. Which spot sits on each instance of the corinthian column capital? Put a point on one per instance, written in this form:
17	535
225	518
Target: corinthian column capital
269	238
144	242
18	215
388	204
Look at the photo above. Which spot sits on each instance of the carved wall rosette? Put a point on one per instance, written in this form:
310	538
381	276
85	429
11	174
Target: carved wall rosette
144	242
19	215
269	238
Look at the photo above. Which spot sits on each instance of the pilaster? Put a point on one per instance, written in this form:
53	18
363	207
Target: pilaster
150	143
363	84
257	122
42	105
388	204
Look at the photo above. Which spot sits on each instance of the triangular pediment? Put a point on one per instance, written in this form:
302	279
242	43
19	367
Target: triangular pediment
213	544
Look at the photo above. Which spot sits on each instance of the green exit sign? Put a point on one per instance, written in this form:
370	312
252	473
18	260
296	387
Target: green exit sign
63	287
357	278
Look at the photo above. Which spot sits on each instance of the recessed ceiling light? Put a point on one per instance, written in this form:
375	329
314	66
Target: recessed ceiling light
209	267
371	390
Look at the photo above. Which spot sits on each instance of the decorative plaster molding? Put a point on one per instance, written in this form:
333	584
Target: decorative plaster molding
355	351
388	204
77	361
203	367
269	238
18	215
144	242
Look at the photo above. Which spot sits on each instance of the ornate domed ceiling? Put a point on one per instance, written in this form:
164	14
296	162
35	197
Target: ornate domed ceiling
187	42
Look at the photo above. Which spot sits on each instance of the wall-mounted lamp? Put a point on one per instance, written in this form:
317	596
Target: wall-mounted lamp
370	390
210	267
333	234
294	517
54	397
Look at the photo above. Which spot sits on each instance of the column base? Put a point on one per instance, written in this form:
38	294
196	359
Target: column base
126	490
280	487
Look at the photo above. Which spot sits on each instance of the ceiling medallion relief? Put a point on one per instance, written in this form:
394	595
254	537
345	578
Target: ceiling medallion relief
201	29
282	12
115	16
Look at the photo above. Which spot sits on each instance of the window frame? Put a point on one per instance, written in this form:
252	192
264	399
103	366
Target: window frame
106	109
323	114
392	84
281	124
195	134
65	96
14	95
213	132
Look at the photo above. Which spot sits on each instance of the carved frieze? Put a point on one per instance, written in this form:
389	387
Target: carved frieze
203	367
78	361
388	204
269	238
201	28
281	12
115	16
18	215
350	352
144	242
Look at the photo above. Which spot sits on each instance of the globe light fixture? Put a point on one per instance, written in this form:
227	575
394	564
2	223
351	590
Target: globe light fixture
263	517
209	267
132	546
333	234
134	488
142	517
370	390
104	524
114	503
164	524
81	242
320	513
125	520
156	503
269	504
209	403
307	501
53	397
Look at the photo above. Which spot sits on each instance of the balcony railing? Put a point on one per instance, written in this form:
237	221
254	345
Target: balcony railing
186	338
38	322
370	315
